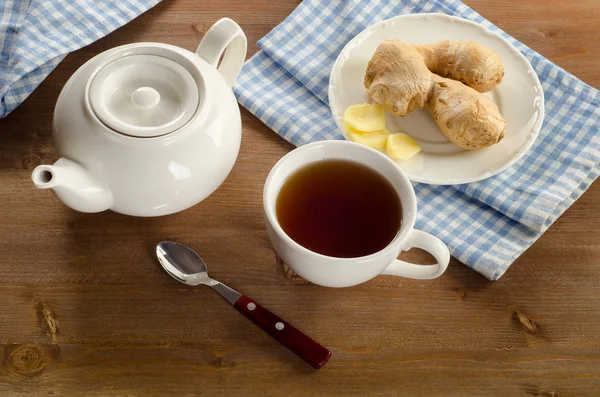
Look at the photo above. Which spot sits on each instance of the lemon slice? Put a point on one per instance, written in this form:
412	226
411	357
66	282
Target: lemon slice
401	146
374	139
365	117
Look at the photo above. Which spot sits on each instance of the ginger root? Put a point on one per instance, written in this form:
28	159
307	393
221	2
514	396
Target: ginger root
399	79
471	63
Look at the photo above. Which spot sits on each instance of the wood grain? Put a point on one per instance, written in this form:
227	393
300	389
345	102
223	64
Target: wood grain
86	309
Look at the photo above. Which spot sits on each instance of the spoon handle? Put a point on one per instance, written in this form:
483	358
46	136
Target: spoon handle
305	347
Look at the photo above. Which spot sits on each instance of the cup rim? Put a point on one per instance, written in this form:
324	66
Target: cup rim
408	209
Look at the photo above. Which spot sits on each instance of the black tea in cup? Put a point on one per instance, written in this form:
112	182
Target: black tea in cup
339	208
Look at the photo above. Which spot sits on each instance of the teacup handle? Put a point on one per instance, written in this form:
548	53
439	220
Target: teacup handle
225	35
429	243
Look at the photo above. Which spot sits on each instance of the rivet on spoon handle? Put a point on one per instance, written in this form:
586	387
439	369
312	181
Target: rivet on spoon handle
306	348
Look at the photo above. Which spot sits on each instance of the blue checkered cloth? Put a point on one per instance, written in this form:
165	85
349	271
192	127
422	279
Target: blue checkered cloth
35	35
486	224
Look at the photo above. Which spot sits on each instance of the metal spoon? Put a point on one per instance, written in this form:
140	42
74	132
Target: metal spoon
187	267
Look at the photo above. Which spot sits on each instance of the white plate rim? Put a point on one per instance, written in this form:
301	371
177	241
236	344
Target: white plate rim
534	130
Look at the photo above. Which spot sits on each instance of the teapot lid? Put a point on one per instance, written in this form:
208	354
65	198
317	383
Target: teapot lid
144	95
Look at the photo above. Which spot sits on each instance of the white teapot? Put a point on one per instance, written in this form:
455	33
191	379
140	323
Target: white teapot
148	129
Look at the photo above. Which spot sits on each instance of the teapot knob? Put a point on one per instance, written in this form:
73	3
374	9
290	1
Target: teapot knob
145	98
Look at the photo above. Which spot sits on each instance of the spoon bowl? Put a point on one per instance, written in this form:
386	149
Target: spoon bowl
183	264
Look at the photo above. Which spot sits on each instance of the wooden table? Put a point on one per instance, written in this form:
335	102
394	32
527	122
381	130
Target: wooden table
86	309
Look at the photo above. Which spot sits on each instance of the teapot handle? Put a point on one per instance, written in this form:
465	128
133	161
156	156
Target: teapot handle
224	36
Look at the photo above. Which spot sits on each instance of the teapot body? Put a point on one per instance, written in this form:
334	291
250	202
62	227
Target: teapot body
152	176
148	129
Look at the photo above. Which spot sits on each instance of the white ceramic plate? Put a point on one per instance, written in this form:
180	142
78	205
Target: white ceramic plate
519	97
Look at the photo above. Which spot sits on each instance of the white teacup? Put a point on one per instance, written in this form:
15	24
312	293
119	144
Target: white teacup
344	272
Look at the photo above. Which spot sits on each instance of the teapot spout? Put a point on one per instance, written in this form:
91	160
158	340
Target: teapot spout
73	185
